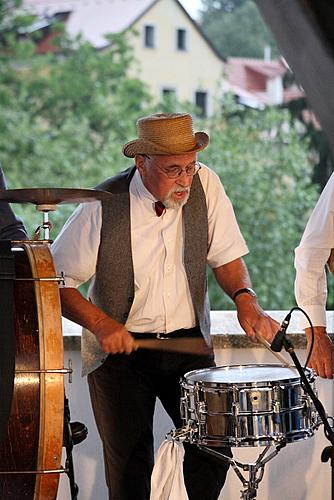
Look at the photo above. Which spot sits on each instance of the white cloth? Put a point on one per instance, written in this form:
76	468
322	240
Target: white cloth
167	481
162	301
311	256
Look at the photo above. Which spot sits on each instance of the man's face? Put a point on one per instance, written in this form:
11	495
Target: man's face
154	171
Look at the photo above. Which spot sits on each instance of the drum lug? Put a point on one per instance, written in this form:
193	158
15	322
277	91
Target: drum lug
70	370
235	408
202	412
276	405
184	408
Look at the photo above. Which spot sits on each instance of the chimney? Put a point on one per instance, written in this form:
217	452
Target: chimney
267	53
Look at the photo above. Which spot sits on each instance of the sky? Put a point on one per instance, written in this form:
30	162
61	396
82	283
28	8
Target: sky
191	6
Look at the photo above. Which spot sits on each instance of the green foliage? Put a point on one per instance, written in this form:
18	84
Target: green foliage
64	118
266	171
236	28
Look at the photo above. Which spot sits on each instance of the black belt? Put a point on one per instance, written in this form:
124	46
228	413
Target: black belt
183	332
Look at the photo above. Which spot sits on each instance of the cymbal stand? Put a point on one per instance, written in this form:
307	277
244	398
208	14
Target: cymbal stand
255	470
46	226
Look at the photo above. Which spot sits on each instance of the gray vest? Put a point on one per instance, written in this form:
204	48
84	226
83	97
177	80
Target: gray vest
113	288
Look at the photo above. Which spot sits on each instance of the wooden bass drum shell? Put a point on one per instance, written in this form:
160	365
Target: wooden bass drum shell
32	446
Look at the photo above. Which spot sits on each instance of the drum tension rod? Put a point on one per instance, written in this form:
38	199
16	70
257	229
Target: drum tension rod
63	371
47	370
59	279
52	471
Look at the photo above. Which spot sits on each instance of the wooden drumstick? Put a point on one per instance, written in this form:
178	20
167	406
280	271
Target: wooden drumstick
194	345
278	355
191	345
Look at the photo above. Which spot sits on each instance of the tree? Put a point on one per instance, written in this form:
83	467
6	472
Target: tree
65	116
266	170
236	28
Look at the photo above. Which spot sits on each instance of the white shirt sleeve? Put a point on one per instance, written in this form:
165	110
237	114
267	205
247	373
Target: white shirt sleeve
76	247
226	242
311	256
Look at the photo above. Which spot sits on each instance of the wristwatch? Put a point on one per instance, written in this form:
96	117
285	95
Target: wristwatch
250	292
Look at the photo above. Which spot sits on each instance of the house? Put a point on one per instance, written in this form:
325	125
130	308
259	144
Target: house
258	82
174	56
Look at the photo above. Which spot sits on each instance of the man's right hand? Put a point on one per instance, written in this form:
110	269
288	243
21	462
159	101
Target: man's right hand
322	358
114	337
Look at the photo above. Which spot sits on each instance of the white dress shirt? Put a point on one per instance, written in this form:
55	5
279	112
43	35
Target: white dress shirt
162	301
311	256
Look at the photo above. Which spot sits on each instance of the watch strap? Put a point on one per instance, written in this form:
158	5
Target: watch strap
250	291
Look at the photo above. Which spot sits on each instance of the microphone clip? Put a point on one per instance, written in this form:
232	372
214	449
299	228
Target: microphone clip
278	341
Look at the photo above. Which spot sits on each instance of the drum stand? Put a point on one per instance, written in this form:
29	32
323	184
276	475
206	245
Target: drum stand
74	433
255	470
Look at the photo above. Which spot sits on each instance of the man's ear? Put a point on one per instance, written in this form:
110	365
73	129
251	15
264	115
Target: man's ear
139	161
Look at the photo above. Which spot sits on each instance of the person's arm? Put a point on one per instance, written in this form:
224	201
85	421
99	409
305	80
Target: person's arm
232	277
311	295
311	285
75	252
11	227
112	336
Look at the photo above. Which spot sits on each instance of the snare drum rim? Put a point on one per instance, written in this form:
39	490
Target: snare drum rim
198	382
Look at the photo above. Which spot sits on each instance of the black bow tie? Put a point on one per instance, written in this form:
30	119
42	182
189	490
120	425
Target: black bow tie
159	208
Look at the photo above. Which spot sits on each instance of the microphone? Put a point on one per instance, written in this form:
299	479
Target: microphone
277	343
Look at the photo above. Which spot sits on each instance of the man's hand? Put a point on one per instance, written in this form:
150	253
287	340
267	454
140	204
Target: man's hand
114	337
254	320
322	358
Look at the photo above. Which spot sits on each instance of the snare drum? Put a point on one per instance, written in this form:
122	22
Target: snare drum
247	405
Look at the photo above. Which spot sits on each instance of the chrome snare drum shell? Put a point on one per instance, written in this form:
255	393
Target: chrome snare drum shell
247	405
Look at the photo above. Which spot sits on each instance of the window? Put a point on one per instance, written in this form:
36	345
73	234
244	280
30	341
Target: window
168	93
201	103
181	39
149	35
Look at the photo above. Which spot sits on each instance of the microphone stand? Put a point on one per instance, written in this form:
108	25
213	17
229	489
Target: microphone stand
328	452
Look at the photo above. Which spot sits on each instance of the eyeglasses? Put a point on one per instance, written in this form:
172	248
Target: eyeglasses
175	171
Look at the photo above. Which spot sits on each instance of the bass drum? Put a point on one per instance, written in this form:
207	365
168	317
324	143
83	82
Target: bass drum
30	453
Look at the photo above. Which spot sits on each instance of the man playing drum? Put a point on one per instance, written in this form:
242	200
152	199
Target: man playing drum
145	252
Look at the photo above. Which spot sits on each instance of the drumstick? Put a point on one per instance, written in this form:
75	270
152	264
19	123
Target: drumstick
279	356
191	345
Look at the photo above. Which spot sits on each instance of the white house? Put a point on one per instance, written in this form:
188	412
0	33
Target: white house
173	54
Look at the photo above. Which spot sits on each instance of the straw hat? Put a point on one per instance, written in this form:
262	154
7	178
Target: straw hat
166	134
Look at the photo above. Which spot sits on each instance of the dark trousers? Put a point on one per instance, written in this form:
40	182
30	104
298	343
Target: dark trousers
123	392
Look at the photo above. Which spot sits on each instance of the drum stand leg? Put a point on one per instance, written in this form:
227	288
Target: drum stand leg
68	443
255	470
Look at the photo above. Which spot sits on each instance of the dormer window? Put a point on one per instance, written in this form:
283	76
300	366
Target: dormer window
181	39
149	36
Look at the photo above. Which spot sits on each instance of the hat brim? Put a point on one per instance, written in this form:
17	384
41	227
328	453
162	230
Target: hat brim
143	146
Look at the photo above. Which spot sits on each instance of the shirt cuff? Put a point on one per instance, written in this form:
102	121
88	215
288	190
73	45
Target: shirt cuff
317	315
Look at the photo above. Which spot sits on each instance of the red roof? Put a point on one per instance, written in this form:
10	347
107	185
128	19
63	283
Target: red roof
253	74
